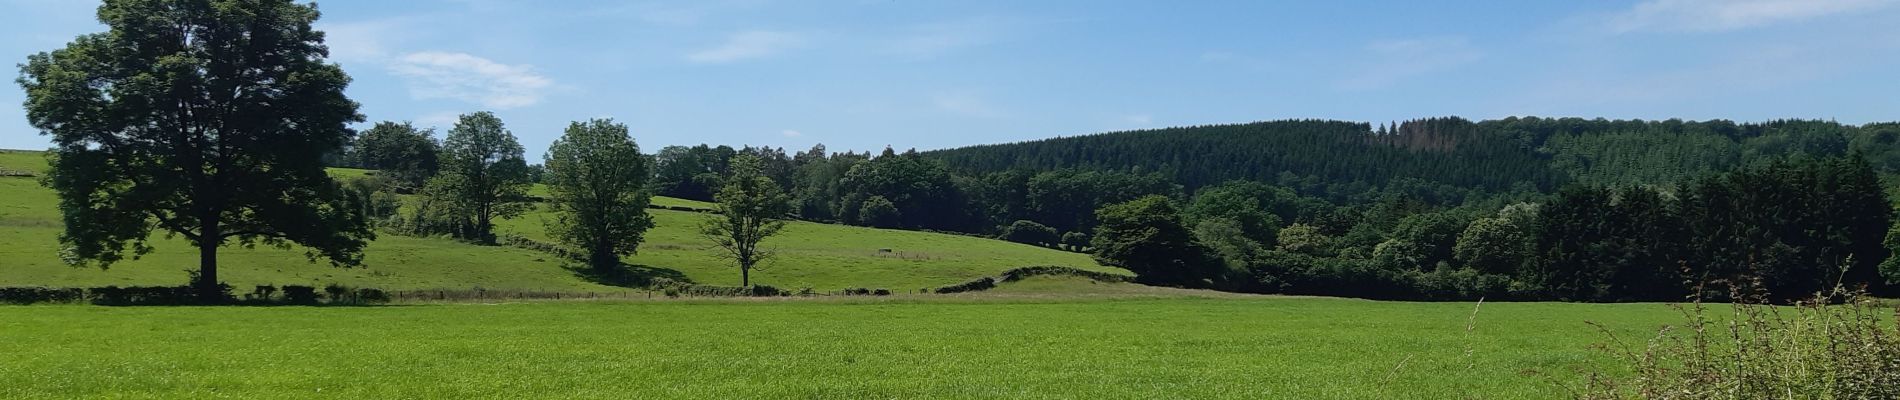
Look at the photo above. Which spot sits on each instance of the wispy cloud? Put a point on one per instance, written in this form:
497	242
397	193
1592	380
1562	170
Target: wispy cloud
791	133
749	45
1727	15
465	77
1395	60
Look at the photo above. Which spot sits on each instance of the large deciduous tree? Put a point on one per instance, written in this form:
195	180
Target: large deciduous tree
1146	236
751	208
400	151
208	119
483	175
597	178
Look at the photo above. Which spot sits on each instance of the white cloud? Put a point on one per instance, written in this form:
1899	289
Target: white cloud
966	104
465	77
749	45
1726	15
1395	60
791	133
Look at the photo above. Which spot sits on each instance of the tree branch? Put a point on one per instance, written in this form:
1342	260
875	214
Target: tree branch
272	234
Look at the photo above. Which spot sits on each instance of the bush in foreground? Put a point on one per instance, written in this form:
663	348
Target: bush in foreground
1831	346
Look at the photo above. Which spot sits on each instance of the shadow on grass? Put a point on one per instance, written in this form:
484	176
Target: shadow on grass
626	275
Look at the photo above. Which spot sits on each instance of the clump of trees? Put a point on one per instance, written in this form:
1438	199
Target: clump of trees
1791	225
483	178
1146	236
399	151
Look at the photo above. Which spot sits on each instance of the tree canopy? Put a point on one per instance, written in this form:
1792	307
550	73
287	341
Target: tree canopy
1145	235
597	179
751	208
208	119
399	151
484	176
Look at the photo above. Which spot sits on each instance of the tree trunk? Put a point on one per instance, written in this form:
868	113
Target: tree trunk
745	276
603	258
208	240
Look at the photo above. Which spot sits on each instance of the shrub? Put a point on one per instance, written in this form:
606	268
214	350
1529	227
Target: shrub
262	293
674	288
32	295
1017	274
297	294
339	294
1030	233
865	292
1812	350
766	291
149	295
984	283
335	292
1076	240
879	212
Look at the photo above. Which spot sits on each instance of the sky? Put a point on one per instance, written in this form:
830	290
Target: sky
865	74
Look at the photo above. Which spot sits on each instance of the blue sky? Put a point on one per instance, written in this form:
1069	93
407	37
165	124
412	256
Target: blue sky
932	74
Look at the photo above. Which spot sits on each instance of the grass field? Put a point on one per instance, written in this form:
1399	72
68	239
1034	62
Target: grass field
1045	337
830	257
821	256
960	347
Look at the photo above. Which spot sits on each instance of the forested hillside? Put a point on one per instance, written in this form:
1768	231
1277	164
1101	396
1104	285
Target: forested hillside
1324	153
1535	208
1493	155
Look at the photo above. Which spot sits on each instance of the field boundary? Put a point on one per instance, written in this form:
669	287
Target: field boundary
1020	273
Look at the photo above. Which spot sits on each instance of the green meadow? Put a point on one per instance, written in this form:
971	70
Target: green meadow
1161	345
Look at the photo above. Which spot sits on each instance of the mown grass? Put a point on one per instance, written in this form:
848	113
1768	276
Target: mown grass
821	256
975	347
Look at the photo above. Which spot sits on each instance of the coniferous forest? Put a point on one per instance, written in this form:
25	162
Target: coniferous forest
1439	208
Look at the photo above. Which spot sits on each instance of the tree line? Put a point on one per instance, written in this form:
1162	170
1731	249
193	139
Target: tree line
1420	209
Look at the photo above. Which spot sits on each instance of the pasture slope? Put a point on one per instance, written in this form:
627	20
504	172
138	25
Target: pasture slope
824	257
